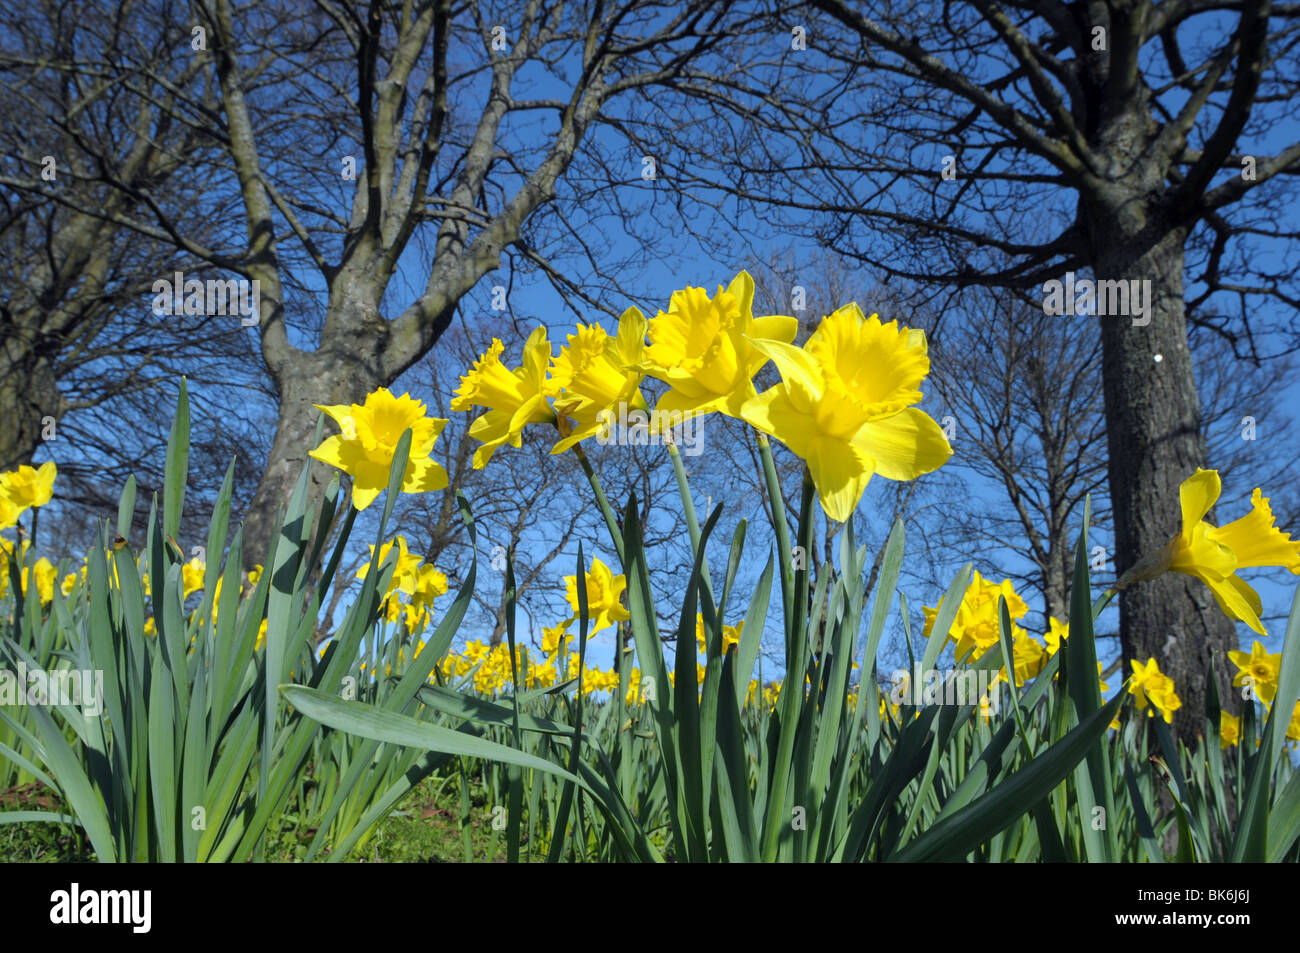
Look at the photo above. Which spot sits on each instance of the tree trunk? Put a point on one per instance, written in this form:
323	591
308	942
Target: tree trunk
1154	442
28	394
312	378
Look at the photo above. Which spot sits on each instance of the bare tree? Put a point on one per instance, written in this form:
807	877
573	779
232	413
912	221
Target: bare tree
82	353
342	131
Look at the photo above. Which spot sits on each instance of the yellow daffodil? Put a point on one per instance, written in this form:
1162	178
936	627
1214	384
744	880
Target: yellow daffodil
1229	730
975	626
1259	670
603	592
1213	554
71	579
596	377
192	576
9	513
845	406
704	348
513	398
429	585
730	634
1148	685
633	696
1057	632
1029	654
365	448
553	637
45	575
405	575
771	693
1293	727
28	487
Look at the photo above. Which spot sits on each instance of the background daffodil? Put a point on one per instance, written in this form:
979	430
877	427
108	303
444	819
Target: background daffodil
1148	685
845	406
975	626
513	398
365	448
1258	669
603	591
703	348
24	488
1213	554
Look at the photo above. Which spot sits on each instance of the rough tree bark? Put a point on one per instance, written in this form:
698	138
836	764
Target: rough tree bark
1153	416
1154	439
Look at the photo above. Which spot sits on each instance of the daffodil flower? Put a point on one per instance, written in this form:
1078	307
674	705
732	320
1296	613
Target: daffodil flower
730	634
9	513
704	348
594	374
365	448
1148	685
975	626
24	488
1213	554
45	574
1259	670
1229	730
1058	632
192	574
406	572
845	406
513	398
603	591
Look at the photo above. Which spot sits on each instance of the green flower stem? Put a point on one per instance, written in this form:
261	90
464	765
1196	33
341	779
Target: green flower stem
602	501
779	524
688	507
1102	601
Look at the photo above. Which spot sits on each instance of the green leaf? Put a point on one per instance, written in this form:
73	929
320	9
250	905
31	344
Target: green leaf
952	839
369	722
178	466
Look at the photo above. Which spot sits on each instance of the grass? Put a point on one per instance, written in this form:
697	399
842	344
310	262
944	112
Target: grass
425	828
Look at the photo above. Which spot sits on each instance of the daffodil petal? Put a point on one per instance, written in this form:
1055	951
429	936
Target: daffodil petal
904	446
774	413
775	327
1237	600
840	471
798	369
1197	495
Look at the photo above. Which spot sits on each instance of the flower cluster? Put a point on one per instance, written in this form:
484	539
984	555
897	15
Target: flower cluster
20	490
1153	690
845	404
975	626
1257	676
975	630
412	588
